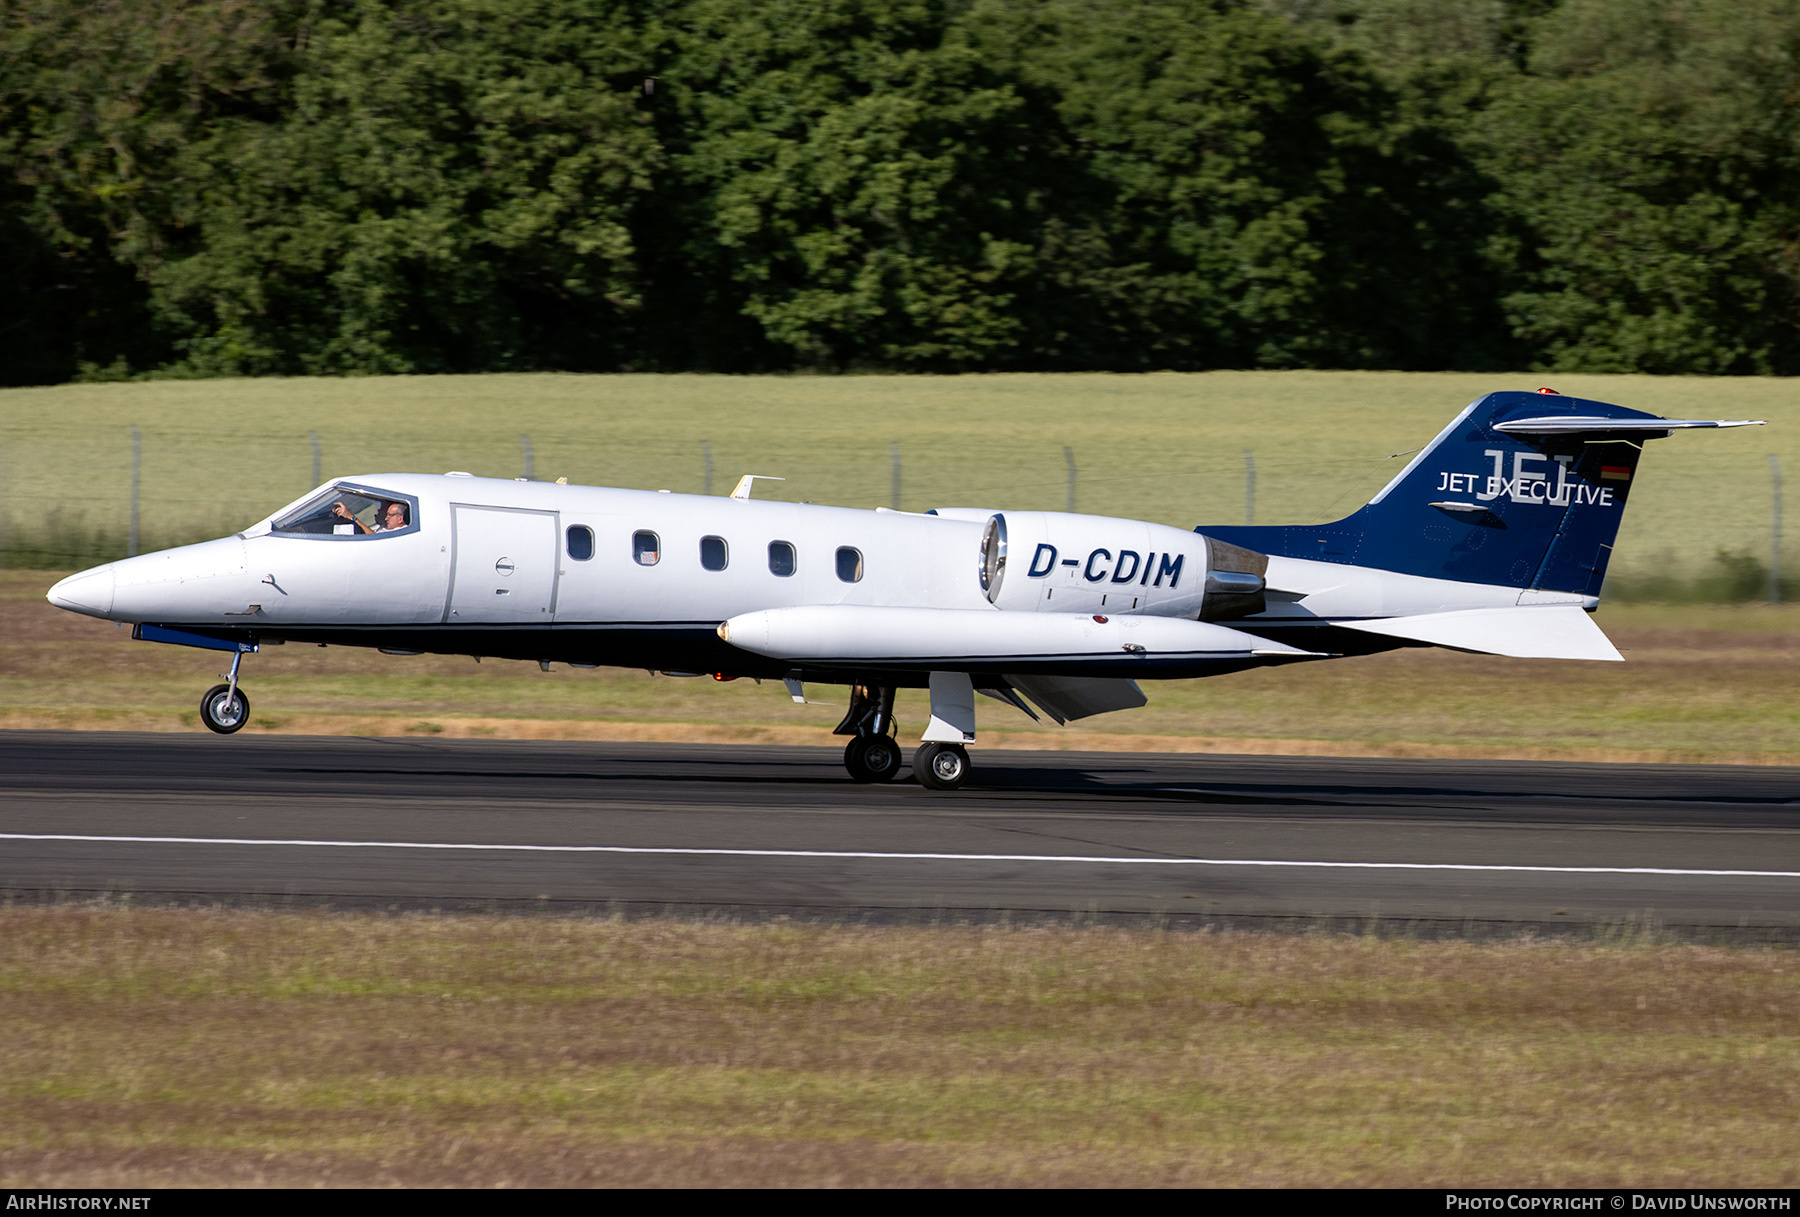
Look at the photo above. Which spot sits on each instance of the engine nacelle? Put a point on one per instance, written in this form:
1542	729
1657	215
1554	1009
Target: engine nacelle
1057	562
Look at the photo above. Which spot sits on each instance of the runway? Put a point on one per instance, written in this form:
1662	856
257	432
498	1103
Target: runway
431	823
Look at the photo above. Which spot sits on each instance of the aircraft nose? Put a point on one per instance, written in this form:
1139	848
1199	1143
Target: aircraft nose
90	592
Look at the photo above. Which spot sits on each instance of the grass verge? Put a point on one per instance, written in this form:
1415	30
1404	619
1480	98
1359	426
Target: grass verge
1701	684
193	1048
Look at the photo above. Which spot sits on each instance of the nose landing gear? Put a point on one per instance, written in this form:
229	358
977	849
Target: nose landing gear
224	708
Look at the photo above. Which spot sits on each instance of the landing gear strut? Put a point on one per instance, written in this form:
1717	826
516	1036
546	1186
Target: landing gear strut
942	763
224	708
873	755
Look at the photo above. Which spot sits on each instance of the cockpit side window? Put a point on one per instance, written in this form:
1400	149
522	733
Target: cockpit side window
351	512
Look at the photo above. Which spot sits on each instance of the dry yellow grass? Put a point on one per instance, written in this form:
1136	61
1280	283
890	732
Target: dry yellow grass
180	1048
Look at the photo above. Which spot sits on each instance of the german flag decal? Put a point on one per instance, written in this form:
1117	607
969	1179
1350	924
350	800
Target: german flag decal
1617	473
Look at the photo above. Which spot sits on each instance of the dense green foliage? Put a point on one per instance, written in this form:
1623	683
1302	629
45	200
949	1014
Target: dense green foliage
228	187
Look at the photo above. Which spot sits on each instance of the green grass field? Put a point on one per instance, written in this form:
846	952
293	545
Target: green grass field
218	454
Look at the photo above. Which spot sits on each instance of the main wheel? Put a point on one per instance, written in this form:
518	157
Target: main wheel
223	712
941	766
872	758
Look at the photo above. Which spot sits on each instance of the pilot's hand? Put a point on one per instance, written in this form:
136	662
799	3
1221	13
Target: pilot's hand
340	511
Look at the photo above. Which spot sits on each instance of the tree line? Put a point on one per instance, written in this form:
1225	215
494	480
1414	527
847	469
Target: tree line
257	187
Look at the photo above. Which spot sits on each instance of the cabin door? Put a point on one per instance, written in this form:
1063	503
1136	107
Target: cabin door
505	567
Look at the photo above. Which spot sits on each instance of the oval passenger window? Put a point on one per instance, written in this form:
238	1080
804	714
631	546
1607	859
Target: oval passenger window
781	558
849	564
713	553
646	548
581	542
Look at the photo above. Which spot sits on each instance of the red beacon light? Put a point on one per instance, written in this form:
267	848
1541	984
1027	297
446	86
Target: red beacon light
1551	392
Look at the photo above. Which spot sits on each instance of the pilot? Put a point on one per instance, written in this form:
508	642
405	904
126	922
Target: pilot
391	518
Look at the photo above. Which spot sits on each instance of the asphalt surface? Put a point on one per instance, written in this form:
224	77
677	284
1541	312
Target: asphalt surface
754	830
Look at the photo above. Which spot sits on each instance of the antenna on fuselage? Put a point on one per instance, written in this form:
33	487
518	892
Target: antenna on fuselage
749	480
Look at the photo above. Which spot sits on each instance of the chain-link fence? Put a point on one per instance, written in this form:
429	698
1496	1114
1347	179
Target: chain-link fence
75	488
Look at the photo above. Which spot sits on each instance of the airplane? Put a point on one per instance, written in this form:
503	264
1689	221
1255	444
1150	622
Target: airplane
1493	539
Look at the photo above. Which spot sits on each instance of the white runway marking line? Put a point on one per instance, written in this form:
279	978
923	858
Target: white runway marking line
920	857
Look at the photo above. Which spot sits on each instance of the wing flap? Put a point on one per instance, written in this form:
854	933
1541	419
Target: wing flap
1563	631
1067	697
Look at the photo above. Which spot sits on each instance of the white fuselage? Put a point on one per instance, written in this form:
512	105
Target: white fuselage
653	579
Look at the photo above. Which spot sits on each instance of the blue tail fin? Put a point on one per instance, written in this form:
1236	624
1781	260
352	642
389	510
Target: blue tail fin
1533	508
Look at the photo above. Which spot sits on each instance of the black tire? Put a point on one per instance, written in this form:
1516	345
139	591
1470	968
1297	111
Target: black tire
941	766
223	713
872	758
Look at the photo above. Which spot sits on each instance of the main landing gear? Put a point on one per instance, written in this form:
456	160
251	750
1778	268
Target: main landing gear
872	758
225	708
873	754
941	763
941	766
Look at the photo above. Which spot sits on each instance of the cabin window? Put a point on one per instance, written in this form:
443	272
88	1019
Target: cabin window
646	548
781	558
714	553
849	564
581	542
351	512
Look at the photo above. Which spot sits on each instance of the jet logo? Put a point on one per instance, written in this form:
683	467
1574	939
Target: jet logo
1528	485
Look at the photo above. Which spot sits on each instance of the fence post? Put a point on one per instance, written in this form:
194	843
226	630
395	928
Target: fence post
1775	538
137	463
894	451
525	446
312	437
1069	456
706	461
1249	487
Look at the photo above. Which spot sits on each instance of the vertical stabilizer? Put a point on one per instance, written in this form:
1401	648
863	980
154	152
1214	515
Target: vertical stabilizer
1521	490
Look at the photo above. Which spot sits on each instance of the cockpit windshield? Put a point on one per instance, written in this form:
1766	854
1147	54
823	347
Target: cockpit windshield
350	511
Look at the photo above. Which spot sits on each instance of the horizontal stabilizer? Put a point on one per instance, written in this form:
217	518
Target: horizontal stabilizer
1589	424
1563	631
1067	697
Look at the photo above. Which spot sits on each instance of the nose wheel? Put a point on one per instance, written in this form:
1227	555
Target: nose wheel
224	708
